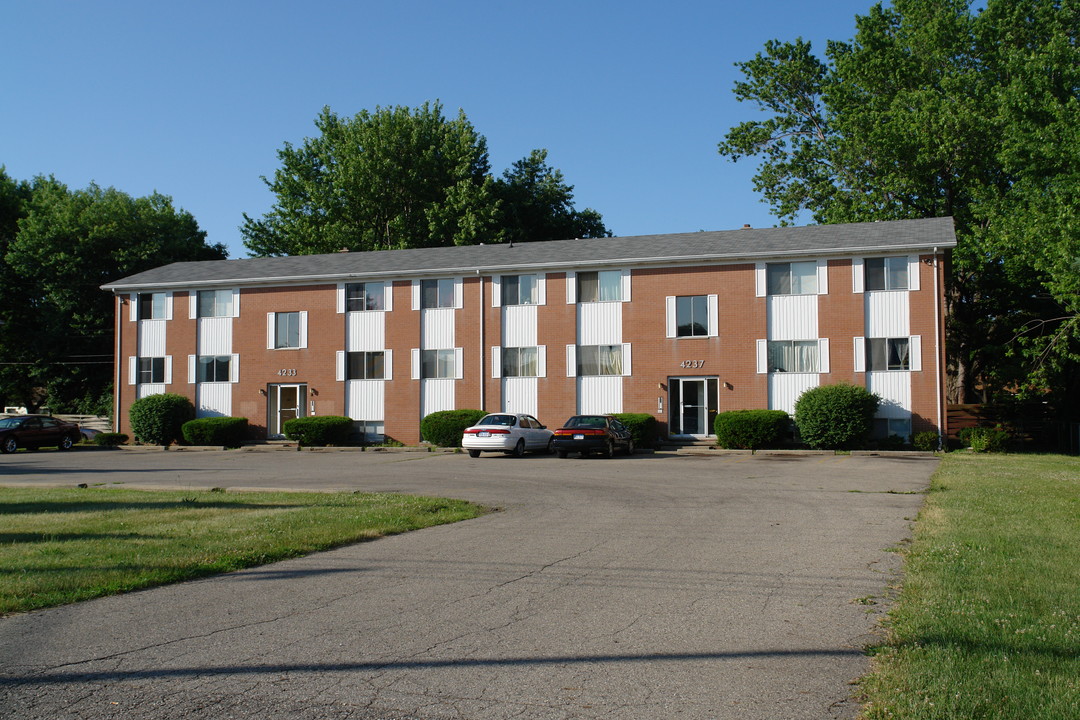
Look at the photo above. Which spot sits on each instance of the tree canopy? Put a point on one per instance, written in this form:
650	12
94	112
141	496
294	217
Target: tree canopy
936	109
399	177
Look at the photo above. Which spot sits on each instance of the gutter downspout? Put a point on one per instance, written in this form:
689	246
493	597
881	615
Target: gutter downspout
483	380
937	351
116	363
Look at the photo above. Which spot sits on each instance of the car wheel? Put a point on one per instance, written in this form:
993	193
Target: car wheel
65	443
609	449
9	445
561	454
519	449
551	446
474	453
629	447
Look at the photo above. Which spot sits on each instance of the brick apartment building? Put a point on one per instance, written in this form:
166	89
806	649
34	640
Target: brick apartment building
679	326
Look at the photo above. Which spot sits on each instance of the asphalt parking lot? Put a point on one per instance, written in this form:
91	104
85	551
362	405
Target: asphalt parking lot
723	586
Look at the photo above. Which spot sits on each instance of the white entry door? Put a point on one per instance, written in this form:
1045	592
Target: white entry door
693	405
284	402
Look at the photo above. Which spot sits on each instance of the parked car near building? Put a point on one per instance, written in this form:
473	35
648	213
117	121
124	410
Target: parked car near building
507	432
34	431
593	433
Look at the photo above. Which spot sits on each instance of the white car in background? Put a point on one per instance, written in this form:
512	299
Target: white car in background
513	433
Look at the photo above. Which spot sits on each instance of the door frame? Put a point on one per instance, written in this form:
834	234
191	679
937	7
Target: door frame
708	409
273	407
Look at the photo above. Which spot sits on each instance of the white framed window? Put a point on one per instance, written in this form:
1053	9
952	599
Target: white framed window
440	293
155	306
602	286
521	362
599	360
793	356
214	368
692	316
887	273
216	303
286	330
370	365
888	354
795	278
519	290
151	370
361	297
883	428
443	363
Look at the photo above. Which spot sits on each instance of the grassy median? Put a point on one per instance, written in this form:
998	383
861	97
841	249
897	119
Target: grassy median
61	545
988	622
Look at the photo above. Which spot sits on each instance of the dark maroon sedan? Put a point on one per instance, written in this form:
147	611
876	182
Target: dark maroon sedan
34	431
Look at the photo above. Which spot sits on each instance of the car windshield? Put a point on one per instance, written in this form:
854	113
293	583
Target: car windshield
587	421
506	420
9	423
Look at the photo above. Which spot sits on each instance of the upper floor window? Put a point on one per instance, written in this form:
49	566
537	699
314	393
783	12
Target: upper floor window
520	362
214	368
437	293
600	360
889	273
519	290
797	278
438	364
365	366
286	330
365	296
691	316
793	356
600	286
152	306
151	370
888	354
215	303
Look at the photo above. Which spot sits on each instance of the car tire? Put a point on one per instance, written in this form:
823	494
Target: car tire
65	443
519	449
474	453
9	445
561	454
629	447
609	449
551	446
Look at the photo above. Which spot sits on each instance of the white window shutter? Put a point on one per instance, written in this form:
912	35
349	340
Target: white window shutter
133	306
303	328
763	356
915	352
133	369
714	315
193	304
913	272
388	364
823	277
823	355
339	365
496	361
571	361
168	369
541	289
168	306
388	295
571	287
340	297
627	369
496	291
415	294
191	368
857	276
860	354
234	368
416	363
270	330
759	279
236	302
458	292
625	286
541	360
458	364
669	315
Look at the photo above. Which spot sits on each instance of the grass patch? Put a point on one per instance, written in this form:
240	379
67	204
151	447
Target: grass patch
988	622
62	545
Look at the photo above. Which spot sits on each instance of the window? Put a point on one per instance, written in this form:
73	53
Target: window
520	362
152	306
214	368
372	431
602	286
215	303
437	364
286	330
692	316
886	273
151	370
600	360
887	427
519	290
365	296
365	366
799	278
888	354
437	293
793	356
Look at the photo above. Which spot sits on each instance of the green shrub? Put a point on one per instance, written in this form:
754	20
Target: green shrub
223	431
989	439
751	429
110	439
927	441
445	428
319	430
835	417
642	427
158	419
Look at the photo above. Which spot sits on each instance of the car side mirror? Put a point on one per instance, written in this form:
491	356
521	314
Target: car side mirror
543	427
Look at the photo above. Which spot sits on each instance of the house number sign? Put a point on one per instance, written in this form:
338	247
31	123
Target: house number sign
694	364
287	372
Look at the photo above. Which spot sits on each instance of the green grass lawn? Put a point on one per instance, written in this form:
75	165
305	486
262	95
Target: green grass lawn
988	622
61	545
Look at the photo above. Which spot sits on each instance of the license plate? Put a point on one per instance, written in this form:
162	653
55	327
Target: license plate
483	433
579	437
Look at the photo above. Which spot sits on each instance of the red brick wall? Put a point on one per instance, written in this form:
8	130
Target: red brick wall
556	328
402	398
924	385
841	317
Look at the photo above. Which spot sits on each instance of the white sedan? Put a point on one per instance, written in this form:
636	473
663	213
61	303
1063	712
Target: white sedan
509	433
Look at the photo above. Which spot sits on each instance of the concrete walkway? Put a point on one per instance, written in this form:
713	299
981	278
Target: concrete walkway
648	587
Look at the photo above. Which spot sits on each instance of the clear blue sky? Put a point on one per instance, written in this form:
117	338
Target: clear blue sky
194	99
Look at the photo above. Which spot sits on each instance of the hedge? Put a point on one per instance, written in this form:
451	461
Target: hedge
224	431
445	427
751	429
319	430
835	417
159	419
642	427
110	439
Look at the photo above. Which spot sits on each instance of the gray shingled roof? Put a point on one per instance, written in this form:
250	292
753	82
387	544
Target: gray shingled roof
680	248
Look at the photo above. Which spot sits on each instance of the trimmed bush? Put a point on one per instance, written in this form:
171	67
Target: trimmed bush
223	431
445	428
642	427
988	439
835	417
110	439
927	441
319	430
159	419
751	429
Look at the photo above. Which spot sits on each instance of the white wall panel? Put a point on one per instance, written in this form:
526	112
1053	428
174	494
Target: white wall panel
365	331
215	336
152	338
887	314
599	323
213	400
436	394
365	399
894	389
520	395
148	389
600	394
793	317
519	326
437	328
785	389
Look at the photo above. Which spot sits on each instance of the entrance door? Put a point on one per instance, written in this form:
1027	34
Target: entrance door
693	406
285	402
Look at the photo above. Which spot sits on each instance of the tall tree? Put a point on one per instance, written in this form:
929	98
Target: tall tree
924	114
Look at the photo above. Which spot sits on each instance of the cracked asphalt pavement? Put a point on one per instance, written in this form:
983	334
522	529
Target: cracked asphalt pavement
732	586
